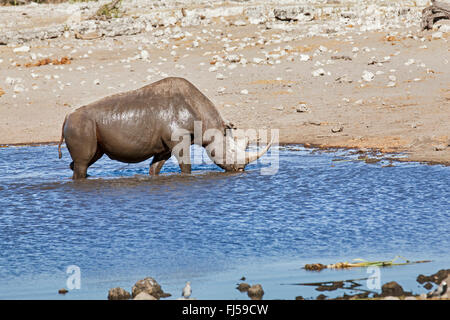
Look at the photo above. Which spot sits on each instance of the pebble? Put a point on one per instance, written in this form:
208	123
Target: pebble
244	91
144	55
304	57
258	60
302	108
11	80
63	291
22	49
337	128
367	76
18	88
437	35
239	23
318	72
233	58
440	147
409	62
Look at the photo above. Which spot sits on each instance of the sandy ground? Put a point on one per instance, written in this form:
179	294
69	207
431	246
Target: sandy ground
254	73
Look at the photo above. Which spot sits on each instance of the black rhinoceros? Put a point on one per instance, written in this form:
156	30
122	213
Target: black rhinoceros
134	126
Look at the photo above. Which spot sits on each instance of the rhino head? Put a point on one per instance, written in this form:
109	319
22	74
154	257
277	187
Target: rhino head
230	153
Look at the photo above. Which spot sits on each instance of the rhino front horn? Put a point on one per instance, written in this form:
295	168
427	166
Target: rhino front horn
253	156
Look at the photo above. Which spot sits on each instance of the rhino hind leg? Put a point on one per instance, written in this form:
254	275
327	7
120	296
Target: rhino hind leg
81	141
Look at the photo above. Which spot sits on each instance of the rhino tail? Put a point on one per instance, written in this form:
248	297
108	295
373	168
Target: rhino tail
62	138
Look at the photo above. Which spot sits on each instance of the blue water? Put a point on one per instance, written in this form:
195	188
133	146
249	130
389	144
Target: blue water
212	228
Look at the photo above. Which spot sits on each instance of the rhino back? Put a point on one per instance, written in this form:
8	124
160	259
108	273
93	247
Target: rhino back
132	128
135	125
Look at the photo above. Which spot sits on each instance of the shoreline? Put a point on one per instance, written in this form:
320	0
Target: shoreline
282	144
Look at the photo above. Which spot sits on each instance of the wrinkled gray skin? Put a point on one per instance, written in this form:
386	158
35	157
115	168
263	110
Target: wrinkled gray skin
137	125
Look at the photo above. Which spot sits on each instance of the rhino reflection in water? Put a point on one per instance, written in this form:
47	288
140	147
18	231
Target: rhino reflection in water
137	125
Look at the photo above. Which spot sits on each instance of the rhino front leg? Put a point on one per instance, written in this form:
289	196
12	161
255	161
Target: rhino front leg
184	160
158	162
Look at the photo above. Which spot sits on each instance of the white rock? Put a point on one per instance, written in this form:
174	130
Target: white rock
170	21
244	91
96	81
144	55
304	57
19	88
318	72
10	81
220	76
409	62
392	77
302	108
422	3
367	76
221	90
239	23
258	60
233	58
22	49
437	35
445	28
